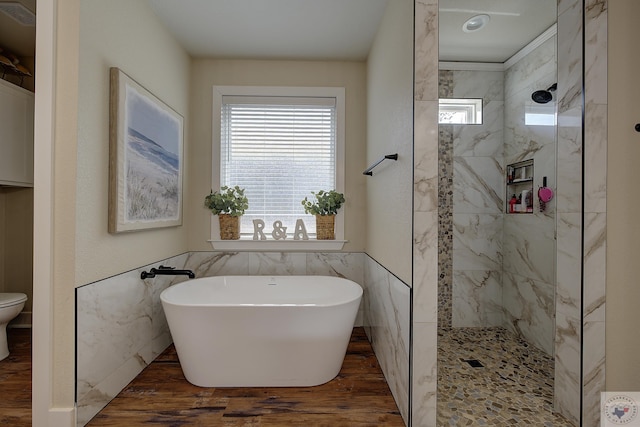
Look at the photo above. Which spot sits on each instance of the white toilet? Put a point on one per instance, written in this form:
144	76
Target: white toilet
10	306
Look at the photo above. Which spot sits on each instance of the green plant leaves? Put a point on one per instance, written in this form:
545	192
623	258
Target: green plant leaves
327	203
229	200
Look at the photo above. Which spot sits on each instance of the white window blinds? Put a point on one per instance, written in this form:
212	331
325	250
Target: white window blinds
279	149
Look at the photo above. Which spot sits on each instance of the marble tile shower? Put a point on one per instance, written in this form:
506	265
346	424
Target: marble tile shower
510	385
580	337
502	269
502	266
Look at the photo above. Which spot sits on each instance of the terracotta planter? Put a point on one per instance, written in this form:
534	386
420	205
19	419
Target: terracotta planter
325	227
229	227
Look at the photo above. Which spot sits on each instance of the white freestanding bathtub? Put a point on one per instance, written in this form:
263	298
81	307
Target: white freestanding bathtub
261	331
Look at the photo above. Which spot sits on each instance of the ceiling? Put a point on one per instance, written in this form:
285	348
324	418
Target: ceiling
323	29
273	29
513	24
343	29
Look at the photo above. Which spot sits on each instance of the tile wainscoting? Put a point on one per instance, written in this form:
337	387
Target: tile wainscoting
121	327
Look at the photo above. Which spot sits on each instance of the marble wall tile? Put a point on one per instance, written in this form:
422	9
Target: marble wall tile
277	263
530	310
595	158
425	375
569	186
567	367
478	185
570	30
569	264
565	5
484	140
477	242
529	246
535	72
387	314
595	206
595	251
206	264
121	328
477	299
524	141
425	255
595	55
529	240
426	50
425	170
569	207
593	371
488	85
340	264
423	383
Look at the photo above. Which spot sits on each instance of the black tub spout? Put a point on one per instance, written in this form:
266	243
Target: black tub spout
166	271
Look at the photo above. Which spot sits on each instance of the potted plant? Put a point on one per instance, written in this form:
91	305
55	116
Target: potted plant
229	204
324	208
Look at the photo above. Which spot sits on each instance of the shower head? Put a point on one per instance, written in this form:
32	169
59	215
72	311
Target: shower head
544	96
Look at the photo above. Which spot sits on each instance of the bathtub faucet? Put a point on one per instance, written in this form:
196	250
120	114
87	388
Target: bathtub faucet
165	271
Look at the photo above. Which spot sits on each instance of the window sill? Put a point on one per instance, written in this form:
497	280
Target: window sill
277	245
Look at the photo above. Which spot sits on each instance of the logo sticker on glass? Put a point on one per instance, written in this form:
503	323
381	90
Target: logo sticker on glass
619	409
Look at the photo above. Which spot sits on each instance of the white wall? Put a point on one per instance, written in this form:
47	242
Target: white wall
209	72
3	204
80	40
16	242
389	131
127	35
623	232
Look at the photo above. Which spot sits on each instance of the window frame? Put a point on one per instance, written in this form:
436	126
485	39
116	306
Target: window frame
246	243
472	107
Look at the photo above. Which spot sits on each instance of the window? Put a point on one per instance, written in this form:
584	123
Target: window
280	144
540	115
460	111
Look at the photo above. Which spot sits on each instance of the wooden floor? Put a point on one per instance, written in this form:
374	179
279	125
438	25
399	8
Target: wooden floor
160	395
15	380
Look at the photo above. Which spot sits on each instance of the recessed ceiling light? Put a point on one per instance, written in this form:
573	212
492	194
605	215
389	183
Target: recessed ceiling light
475	23
18	12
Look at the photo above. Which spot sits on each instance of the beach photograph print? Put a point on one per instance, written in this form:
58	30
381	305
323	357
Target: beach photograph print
145	159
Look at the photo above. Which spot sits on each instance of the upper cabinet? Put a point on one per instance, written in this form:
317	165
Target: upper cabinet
16	135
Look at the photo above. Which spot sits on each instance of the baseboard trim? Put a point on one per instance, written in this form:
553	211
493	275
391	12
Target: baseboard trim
63	417
22	320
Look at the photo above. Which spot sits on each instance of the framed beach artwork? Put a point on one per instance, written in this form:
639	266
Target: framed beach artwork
145	158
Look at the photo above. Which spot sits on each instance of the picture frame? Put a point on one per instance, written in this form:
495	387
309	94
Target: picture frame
145	158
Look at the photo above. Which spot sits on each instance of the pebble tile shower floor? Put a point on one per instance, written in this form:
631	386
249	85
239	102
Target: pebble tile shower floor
513	387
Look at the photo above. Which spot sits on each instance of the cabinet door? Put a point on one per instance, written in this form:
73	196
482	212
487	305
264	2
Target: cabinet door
16	135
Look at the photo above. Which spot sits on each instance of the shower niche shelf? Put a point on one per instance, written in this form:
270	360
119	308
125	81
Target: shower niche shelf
519	186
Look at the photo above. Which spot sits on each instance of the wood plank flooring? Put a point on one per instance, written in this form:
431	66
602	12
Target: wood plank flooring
15	380
160	395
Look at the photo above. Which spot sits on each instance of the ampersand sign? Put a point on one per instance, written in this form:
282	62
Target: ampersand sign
279	232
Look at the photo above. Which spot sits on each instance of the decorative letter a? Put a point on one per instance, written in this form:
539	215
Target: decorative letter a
301	231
